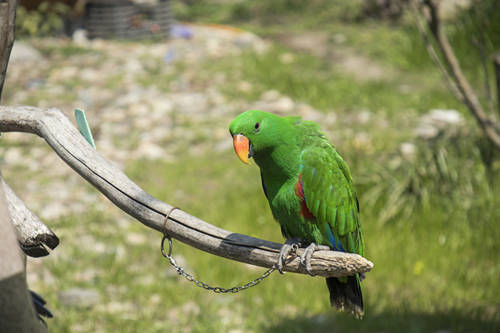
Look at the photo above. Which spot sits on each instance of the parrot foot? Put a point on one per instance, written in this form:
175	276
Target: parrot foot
290	244
305	258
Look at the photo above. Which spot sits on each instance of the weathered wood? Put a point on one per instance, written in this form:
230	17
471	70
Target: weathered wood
7	26
490	128
433	54
66	141
496	66
31	232
16	308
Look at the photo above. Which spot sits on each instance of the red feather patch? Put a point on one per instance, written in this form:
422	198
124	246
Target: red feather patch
299	191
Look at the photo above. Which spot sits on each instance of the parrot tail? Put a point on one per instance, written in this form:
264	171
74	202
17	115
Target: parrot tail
346	296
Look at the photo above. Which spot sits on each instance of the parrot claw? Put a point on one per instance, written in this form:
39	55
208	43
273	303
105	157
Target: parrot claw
290	244
305	258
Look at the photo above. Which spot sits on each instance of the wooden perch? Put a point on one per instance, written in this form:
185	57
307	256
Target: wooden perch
67	142
31	232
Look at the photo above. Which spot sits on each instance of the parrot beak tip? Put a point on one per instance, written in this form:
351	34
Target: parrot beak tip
243	148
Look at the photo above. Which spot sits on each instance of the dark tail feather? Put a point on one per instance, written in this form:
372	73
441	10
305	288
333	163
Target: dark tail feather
346	296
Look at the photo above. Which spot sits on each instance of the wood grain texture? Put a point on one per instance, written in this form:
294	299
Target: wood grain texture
31	232
16	308
7	27
66	141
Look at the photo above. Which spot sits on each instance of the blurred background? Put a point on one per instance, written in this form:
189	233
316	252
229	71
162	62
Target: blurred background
160	82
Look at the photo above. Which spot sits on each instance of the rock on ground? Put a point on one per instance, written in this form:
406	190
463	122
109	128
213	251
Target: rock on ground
79	297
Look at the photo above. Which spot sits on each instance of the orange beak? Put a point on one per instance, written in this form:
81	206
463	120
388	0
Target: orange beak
242	147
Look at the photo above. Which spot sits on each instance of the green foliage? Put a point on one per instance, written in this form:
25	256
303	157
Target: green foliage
46	20
437	271
436	262
321	11
324	10
477	24
447	171
325	86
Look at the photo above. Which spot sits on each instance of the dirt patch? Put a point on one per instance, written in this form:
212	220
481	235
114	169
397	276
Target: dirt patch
341	57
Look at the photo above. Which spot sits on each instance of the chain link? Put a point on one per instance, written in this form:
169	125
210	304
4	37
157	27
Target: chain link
199	283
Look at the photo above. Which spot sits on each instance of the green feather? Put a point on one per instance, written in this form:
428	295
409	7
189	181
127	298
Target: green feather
332	215
322	212
340	222
286	148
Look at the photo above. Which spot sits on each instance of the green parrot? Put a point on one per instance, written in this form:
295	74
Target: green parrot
309	189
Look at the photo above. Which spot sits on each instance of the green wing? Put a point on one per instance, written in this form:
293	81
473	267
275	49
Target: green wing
330	196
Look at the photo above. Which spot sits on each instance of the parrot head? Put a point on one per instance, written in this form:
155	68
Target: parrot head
257	133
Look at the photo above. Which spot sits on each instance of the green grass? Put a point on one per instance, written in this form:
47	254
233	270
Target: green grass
397	44
434	271
436	268
313	81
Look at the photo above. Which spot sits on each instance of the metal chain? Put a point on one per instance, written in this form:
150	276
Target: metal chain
191	278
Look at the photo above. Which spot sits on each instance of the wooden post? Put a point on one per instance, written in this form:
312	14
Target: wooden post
32	234
7	27
16	308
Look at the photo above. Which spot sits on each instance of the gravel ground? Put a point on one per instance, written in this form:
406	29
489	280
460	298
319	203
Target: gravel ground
131	118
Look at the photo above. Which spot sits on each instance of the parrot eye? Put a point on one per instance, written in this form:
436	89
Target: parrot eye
257	126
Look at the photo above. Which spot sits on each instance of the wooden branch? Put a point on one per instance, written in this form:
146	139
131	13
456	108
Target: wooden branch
7	27
67	142
31	232
496	65
490	128
433	54
16	308
479	43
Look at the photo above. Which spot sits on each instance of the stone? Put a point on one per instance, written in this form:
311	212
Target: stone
79	297
190	103
436	121
408	150
287	58
362	141
86	275
283	104
149	151
136	239
442	118
449	9
270	95
53	210
23	52
364	116
426	132
79	37
13	156
90	75
244	86
119	307
191	308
